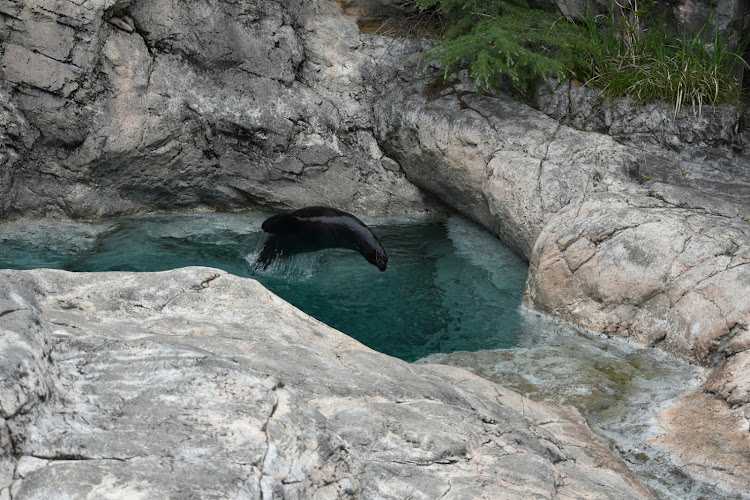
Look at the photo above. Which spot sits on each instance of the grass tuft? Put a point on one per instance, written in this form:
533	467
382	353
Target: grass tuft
504	40
501	41
652	65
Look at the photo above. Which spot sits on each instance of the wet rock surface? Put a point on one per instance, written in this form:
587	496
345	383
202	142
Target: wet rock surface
621	387
671	277
197	382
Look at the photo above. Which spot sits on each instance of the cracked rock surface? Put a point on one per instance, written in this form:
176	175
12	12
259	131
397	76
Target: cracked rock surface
624	240
671	277
197	382
118	107
637	267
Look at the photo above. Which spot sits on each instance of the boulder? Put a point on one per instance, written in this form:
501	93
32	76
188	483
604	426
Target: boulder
680	16
637	267
676	278
498	161
197	382
690	131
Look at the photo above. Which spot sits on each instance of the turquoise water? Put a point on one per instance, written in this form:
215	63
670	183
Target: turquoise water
449	285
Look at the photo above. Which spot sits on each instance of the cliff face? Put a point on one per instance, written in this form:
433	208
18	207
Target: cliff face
117	107
111	108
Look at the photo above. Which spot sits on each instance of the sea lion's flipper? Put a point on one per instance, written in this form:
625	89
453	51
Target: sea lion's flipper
271	250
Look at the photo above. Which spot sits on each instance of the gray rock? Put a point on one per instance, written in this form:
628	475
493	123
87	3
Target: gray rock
196	382
680	16
498	161
25	350
667	276
25	371
661	274
622	240
21	65
15	134
378	9
186	111
244	105
656	126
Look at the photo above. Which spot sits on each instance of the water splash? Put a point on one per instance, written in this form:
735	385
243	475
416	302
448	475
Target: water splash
294	268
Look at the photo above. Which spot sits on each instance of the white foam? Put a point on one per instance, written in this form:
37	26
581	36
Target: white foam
300	267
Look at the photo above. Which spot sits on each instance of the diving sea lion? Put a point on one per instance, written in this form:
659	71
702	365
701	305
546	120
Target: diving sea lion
315	228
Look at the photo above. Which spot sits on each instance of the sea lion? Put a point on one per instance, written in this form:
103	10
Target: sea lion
315	228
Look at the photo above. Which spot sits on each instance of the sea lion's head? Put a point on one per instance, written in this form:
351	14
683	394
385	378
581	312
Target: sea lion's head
381	260
375	255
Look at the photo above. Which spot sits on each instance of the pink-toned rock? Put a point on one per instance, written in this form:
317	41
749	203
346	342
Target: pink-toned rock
625	265
710	440
731	379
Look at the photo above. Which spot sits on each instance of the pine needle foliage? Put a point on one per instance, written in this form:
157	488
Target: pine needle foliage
500	41
510	41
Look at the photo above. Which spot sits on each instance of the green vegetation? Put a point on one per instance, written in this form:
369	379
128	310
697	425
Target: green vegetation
652	65
500	41
505	40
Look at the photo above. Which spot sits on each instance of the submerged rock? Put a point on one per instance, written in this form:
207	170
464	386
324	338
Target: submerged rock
621	387
195	381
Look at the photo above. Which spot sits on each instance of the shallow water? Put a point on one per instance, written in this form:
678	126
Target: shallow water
620	387
451	294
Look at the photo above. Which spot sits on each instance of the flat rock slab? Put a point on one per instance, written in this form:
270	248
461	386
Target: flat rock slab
197	383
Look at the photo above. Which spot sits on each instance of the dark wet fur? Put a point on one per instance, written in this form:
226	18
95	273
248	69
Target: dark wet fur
315	228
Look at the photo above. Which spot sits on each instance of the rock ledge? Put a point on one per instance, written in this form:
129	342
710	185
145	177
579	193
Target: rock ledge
197	382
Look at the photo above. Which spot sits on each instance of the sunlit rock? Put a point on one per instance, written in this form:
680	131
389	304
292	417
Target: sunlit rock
194	380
